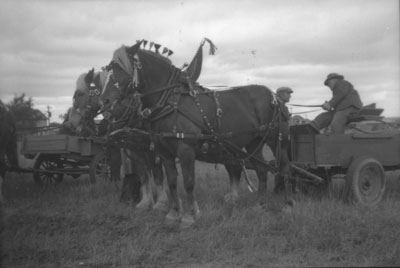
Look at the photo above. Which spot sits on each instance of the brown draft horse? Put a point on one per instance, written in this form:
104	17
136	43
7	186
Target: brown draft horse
8	144
190	122
136	161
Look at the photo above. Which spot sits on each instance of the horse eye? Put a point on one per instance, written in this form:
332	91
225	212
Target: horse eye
116	85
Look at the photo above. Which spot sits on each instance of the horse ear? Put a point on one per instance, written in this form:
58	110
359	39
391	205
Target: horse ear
89	76
133	49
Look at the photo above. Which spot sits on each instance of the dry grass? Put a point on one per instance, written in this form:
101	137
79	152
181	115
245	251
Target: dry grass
80	225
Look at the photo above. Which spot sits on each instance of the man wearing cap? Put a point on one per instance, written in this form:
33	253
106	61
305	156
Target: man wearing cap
345	100
283	96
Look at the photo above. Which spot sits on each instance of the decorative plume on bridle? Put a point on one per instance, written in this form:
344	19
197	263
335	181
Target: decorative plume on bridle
213	48
193	70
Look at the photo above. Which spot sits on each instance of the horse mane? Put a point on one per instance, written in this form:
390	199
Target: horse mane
156	55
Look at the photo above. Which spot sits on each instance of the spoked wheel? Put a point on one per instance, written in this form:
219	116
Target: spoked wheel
100	168
47	164
365	183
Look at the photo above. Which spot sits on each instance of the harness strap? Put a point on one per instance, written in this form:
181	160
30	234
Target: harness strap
219	110
175	111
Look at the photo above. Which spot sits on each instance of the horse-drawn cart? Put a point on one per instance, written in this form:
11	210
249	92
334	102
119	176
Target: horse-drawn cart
362	158
59	155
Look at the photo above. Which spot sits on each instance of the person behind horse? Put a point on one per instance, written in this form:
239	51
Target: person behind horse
345	101
283	95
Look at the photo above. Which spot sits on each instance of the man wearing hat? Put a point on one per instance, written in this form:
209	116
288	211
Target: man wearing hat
283	96
345	100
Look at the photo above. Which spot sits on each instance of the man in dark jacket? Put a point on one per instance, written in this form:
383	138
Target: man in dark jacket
283	95
345	100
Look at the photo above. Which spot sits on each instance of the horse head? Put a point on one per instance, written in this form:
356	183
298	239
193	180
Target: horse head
86	99
134	72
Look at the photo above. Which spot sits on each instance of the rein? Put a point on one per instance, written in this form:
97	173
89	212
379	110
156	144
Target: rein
301	105
306	112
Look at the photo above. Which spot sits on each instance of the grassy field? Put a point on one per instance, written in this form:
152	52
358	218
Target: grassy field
76	224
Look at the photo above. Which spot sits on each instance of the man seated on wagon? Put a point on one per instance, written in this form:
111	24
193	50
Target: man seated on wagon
345	101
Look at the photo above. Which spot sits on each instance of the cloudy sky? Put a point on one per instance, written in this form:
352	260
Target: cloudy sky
46	45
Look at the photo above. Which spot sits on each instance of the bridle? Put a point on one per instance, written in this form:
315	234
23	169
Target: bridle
133	88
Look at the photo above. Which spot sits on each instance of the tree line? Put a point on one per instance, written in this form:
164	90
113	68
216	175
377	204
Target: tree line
25	115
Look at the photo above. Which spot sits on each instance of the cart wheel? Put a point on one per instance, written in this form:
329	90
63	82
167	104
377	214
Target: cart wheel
47	164
365	182
100	168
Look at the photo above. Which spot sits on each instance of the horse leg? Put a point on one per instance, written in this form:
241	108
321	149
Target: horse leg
132	183
172	179
158	176
115	163
186	154
12	153
3	169
234	172
285	172
261	171
141	167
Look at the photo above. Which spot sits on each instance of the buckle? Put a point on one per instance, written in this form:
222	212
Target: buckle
145	113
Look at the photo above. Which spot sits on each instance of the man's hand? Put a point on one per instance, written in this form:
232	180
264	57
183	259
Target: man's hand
326	106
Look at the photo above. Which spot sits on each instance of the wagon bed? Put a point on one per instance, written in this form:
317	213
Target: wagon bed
62	144
58	155
361	157
311	149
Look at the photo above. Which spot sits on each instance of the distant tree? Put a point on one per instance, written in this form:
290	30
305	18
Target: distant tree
25	115
64	116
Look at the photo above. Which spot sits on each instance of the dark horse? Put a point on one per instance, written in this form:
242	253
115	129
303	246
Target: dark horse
8	144
190	122
136	161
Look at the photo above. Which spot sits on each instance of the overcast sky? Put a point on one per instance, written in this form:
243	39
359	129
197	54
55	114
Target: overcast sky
46	45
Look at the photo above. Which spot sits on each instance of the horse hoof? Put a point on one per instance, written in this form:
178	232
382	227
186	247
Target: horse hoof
161	206
143	206
291	203
231	199
172	217
187	222
288	207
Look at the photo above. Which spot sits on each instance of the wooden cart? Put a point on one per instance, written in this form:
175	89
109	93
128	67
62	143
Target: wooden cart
362	158
59	155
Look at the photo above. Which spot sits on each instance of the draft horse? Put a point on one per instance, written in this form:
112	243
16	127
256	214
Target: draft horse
189	122
136	160
8	144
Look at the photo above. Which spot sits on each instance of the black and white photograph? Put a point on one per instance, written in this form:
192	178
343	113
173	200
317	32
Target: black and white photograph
199	134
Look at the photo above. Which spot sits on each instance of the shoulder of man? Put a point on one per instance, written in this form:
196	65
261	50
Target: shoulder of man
343	84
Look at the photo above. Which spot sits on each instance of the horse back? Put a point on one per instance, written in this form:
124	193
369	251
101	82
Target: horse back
241	108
